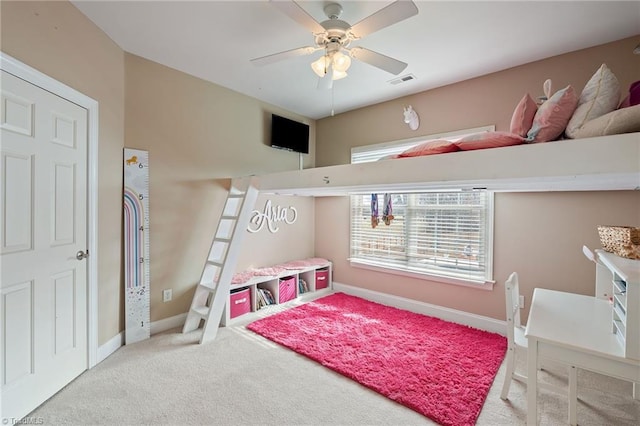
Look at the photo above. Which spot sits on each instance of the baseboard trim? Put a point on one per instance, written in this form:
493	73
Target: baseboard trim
117	341
104	351
447	314
168	323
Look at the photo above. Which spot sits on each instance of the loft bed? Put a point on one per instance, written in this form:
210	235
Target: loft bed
599	163
526	158
591	164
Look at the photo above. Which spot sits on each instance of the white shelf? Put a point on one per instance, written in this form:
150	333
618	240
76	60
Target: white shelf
619	313
607	163
272	282
623	277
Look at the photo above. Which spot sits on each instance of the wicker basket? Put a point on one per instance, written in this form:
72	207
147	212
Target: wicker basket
621	240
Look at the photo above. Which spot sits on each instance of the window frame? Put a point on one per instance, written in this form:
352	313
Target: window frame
361	154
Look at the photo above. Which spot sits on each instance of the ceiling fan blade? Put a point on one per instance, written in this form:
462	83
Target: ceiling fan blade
276	57
298	14
378	60
389	15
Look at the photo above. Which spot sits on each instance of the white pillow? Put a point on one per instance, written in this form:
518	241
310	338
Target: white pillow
600	96
625	120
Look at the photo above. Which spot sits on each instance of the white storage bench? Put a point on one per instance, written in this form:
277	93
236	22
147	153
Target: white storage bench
252	290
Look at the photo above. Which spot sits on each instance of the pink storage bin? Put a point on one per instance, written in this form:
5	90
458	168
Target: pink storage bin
287	289
322	279
240	302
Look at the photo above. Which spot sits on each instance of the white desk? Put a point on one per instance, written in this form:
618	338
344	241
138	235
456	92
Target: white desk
575	330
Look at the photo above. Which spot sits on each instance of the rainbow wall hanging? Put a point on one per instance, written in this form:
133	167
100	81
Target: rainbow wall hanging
136	245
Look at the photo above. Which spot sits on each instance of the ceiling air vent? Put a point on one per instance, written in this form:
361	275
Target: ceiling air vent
403	79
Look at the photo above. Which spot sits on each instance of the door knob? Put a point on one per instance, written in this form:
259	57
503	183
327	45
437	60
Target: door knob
81	255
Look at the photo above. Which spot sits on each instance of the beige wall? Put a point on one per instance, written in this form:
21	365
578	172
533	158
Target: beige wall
56	39
198	134
540	235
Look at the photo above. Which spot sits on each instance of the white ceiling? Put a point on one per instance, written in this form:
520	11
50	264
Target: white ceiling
447	42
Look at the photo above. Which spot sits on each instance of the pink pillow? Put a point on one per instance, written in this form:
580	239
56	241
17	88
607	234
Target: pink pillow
438	146
626	102
488	140
552	116
633	98
522	117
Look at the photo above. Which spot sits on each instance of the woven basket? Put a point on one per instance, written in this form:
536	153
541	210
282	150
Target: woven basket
621	240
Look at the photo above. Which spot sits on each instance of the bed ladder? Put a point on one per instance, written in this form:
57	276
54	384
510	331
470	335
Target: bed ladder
212	291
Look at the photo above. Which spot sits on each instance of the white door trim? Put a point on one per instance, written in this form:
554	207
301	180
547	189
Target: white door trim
35	77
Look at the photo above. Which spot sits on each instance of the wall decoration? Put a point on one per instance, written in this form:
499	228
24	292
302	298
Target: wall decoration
411	118
270	216
136	245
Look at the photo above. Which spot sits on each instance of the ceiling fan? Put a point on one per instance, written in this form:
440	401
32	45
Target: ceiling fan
334	36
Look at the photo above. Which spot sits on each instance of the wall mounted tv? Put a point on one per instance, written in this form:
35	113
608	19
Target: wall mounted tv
290	135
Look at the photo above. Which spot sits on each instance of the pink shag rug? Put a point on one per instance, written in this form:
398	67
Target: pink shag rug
437	368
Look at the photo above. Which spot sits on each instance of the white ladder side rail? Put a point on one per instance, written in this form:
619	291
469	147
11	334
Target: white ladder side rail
221	292
212	291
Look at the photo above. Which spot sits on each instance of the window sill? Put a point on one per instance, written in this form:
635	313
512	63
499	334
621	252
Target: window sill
479	285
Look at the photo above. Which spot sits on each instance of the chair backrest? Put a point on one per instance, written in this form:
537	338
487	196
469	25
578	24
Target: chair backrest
512	298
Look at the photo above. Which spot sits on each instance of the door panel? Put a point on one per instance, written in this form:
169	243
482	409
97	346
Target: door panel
63	212
17	192
43	226
17	113
65	311
17	320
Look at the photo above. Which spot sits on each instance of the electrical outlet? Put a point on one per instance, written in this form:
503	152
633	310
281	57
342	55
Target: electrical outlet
167	295
521	302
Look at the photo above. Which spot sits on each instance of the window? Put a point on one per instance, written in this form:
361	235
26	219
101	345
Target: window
440	234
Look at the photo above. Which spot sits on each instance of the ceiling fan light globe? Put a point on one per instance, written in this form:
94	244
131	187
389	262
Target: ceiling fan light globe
320	66
338	75
341	62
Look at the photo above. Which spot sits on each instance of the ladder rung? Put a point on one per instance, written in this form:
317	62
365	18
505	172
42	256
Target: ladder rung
215	263
222	240
208	287
201	311
229	217
236	195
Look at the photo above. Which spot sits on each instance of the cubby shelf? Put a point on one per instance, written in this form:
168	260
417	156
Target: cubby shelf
618	279
243	299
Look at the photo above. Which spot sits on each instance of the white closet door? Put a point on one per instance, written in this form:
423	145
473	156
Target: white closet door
43	214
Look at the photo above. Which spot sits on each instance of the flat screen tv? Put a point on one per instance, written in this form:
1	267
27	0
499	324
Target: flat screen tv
288	134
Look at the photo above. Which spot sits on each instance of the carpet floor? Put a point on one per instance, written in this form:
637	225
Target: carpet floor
437	368
242	379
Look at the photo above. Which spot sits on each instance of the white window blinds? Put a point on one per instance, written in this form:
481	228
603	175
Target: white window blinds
436	233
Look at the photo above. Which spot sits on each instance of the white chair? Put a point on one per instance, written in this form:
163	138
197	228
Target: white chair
517	342
515	333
